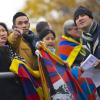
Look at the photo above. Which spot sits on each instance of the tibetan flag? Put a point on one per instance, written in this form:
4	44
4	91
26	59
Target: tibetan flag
62	85
31	85
68	49
55	83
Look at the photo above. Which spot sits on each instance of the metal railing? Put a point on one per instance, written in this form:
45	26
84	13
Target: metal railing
7	75
11	87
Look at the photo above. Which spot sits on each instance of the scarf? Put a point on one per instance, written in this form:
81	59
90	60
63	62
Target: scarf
91	37
13	55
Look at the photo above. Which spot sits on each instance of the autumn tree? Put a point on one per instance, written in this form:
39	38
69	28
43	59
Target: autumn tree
57	11
54	11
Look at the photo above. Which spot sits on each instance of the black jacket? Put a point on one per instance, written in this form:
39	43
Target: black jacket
5	60
10	87
31	38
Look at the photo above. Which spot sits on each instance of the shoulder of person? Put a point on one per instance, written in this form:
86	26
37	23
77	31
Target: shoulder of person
33	35
31	32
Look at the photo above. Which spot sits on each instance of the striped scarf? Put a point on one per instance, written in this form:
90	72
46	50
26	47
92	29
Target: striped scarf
91	37
62	84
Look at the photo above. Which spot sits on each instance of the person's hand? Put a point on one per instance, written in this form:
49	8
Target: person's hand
97	64
81	69
40	44
17	32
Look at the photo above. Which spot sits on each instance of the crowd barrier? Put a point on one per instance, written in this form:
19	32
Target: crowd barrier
10	87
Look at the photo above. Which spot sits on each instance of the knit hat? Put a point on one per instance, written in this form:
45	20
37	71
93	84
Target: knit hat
68	24
46	32
82	10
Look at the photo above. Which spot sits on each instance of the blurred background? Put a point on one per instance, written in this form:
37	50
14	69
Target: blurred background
53	11
57	11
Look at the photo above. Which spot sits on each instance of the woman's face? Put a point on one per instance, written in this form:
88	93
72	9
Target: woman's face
49	40
3	36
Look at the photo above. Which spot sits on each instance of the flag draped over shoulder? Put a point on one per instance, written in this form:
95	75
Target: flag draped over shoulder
31	85
68	49
61	83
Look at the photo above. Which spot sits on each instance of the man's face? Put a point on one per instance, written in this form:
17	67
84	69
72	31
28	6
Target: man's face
83	21
22	22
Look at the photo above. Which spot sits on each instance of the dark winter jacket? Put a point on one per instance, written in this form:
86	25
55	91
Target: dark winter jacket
10	86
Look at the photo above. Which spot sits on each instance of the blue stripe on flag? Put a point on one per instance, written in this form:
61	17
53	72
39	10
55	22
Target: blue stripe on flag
63	56
65	42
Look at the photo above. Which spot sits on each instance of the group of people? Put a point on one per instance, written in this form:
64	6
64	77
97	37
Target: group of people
22	43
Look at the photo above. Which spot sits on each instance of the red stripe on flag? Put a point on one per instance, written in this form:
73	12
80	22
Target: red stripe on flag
66	50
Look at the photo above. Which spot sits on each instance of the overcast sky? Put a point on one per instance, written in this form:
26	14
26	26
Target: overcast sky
8	8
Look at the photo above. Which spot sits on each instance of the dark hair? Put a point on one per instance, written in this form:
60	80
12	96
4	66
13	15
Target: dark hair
18	14
4	25
82	10
46	32
41	26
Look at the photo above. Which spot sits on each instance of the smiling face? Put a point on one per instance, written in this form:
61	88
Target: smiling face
49	40
3	35
83	21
